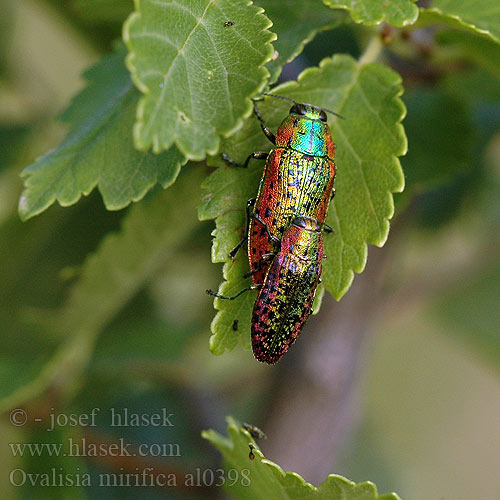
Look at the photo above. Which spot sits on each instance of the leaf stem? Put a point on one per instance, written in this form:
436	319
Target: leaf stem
372	50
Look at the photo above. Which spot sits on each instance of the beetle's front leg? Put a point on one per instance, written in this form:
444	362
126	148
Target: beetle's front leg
258	155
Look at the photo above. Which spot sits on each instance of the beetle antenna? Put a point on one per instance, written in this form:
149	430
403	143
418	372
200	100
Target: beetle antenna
305	103
280	97
332	113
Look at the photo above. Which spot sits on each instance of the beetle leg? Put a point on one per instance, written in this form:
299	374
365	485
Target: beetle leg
333	194
258	155
327	229
250	205
273	239
264	258
232	297
267	131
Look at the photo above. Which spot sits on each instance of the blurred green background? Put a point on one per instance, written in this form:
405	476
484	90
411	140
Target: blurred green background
418	412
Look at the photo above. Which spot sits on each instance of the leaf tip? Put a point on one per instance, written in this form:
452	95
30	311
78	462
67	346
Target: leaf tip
22	207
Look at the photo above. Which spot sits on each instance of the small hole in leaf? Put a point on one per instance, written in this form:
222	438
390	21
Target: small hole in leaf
183	117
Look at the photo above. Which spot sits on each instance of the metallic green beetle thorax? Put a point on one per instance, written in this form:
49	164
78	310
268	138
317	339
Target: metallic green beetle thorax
305	135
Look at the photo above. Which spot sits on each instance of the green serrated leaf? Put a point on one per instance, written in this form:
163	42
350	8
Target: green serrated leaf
99	149
228	190
482	16
197	65
261	478
395	12
368	143
296	26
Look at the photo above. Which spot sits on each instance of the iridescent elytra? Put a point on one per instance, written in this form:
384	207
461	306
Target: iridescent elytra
297	179
285	299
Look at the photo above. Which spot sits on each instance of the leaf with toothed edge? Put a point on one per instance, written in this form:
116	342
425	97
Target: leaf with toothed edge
99	149
263	478
396	12
228	190
197	64
368	141
481	16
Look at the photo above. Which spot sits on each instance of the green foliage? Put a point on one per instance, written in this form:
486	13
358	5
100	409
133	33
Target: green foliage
318	298
368	172
296	26
226	193
468	44
99	150
180	89
121	266
194	97
41	464
197	73
126	260
268	480
395	12
482	16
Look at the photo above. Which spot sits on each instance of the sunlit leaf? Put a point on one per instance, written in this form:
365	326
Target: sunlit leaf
197	64
482	16
368	143
261	478
395	12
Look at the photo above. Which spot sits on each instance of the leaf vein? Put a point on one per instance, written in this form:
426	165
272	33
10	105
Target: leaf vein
161	98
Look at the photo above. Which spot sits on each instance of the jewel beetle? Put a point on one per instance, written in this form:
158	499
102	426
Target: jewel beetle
285	299
297	180
286	295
